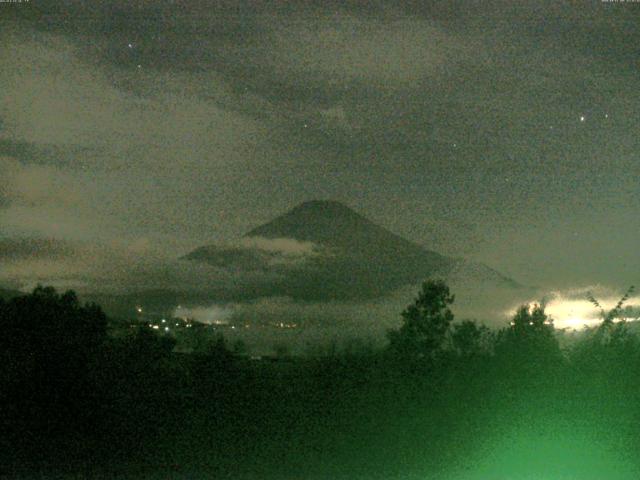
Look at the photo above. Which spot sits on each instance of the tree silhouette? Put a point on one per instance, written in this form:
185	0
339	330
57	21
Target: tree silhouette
529	343
425	323
610	347
48	345
215	369
52	335
469	339
608	330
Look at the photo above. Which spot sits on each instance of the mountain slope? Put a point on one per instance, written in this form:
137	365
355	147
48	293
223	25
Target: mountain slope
353	256
331	224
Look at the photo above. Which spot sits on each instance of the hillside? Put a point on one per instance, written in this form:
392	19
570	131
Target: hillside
353	257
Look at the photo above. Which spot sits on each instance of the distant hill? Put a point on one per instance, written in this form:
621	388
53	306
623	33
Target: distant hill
352	257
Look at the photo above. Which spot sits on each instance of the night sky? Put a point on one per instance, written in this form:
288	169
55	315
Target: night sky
504	131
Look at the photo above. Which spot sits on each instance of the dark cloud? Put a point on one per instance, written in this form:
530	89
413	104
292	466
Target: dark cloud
502	131
34	248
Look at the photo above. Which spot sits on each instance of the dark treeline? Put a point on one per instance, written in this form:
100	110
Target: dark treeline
442	400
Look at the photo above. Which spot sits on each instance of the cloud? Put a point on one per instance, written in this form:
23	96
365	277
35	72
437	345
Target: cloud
155	162
55	97
571	308
257	254
34	248
309	326
345	48
35	185
283	246
364	103
210	315
44	201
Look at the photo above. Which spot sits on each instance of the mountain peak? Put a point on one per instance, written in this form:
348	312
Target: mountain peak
323	207
320	221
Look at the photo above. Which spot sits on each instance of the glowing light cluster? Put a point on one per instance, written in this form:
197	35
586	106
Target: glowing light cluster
573	312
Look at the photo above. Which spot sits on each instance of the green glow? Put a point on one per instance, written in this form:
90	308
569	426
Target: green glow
549	452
